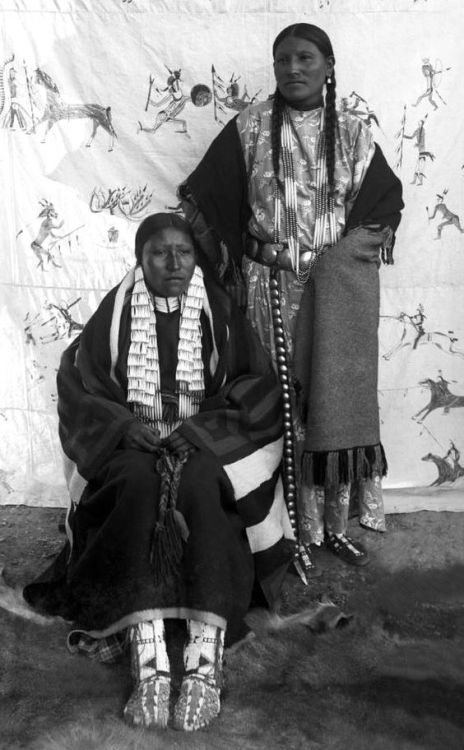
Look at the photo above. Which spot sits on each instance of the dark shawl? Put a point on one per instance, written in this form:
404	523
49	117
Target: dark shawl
217	192
239	421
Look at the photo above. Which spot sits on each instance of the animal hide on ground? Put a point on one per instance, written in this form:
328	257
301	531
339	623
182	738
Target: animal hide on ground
12	600
319	617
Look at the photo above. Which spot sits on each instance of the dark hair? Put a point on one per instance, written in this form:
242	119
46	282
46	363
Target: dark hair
155	223
318	37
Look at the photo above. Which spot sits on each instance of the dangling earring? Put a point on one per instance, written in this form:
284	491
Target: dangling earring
328	79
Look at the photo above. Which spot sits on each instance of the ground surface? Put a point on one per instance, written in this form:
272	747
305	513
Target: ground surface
393	679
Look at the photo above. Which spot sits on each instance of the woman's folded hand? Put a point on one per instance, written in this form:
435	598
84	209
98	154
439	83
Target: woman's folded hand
141	437
367	241
178	444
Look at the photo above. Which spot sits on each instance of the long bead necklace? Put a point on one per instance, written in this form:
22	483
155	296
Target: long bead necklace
324	204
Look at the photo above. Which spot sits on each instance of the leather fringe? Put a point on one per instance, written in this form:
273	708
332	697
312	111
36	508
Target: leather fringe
386	252
332	468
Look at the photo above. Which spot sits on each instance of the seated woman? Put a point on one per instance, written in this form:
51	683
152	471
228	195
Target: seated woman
170	420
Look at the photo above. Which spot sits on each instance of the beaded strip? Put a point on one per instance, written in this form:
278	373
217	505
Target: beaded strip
325	214
143	372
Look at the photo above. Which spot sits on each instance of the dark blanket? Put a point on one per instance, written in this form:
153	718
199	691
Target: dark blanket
218	189
230	492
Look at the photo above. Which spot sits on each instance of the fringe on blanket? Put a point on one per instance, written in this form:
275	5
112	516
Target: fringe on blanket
343	466
386	250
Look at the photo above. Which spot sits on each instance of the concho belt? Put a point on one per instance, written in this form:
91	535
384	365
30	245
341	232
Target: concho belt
275	254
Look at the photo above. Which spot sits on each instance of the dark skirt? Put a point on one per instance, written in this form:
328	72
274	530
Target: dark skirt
106	581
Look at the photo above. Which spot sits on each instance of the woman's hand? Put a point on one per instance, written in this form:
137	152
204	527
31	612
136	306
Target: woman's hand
368	241
141	437
178	444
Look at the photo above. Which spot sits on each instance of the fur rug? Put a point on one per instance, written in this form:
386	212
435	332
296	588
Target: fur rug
12	600
381	683
319	617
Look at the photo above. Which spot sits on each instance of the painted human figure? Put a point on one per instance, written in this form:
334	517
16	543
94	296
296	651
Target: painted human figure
173	88
423	154
413	333
16	113
440	398
29	323
169	106
449	218
417	320
226	95
429	73
453	455
233	100
442	385
175	101
356	105
46	230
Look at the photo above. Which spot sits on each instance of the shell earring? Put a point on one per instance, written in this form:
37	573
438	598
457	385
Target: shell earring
328	79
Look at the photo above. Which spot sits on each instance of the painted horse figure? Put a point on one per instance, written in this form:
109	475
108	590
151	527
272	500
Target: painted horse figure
413	334
440	398
56	109
446	472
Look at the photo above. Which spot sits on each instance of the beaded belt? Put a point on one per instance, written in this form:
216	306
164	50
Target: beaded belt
275	254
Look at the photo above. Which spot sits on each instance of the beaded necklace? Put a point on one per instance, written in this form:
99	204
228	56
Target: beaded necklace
325	214
143	370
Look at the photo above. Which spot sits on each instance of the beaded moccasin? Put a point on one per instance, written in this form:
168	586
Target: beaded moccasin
148	705
198	704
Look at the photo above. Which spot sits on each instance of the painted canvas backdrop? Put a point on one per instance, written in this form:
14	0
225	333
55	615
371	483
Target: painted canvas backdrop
105	107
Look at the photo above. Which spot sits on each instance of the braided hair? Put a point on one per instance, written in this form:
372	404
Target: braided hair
318	37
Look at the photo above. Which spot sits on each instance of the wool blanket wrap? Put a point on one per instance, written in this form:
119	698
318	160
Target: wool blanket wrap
230	492
336	355
336	347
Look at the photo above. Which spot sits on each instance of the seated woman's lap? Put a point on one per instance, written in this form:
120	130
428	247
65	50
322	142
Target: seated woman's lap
127	489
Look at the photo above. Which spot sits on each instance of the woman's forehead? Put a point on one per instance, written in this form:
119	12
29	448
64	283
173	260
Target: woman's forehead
296	43
171	235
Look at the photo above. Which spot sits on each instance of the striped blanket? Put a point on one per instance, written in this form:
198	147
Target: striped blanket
238	430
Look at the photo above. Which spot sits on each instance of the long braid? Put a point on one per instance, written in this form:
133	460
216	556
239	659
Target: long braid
278	106
316	36
331	130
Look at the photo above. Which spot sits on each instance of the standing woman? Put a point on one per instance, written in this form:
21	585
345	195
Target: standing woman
296	205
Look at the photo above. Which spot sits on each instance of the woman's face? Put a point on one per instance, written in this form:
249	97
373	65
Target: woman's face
168	262
300	69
